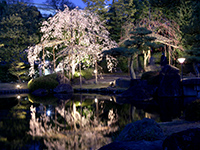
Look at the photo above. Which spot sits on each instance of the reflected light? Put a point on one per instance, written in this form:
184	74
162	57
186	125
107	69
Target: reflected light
18	97
48	112
95	71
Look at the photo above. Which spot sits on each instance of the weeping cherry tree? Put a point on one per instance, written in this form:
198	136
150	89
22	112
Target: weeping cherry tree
76	37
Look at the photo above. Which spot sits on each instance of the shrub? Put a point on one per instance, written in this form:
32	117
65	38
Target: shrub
192	111
87	73
48	82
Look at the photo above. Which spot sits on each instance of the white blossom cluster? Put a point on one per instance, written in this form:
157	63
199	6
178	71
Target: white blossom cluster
77	35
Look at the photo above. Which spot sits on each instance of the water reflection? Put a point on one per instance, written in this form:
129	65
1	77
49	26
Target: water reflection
79	121
73	124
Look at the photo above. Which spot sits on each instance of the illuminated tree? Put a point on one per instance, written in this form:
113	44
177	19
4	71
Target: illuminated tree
18	69
77	35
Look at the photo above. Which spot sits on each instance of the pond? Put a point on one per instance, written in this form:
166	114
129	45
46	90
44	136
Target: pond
78	121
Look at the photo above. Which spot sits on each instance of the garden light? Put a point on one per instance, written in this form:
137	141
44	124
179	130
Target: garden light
18	86
96	100
181	61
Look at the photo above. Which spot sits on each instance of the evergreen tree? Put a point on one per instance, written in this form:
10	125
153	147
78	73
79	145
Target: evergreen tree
120	12
99	7
139	43
19	28
18	69
192	35
59	4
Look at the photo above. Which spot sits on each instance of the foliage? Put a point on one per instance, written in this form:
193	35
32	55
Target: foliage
5	75
18	69
48	82
192	34
98	7
120	12
87	73
19	26
123	65
192	111
59	4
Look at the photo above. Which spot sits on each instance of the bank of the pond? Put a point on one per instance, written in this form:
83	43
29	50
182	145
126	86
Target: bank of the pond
13	88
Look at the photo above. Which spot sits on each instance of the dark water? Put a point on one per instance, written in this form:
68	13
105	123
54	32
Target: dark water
79	121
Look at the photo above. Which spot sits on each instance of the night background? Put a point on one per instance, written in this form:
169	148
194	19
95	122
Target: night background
99	74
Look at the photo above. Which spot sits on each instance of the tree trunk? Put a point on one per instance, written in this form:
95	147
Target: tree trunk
80	75
54	60
132	72
43	58
147	56
73	68
96	71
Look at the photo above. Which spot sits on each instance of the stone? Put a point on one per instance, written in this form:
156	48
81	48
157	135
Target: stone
62	79
63	88
144	134
40	92
123	83
184	140
145	129
170	82
134	145
137	93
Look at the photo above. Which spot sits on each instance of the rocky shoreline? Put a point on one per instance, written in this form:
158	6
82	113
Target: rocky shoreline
146	134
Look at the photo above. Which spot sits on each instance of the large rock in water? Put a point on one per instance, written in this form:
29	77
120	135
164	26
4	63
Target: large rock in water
63	88
123	83
137	91
145	134
184	140
145	129
170	82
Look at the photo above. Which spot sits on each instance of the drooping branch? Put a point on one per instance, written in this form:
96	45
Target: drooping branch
75	33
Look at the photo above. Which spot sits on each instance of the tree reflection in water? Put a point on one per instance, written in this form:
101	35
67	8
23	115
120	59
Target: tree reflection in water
73	125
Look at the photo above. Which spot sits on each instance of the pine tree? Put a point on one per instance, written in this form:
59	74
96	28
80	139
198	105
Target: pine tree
120	12
19	28
139	43
192	35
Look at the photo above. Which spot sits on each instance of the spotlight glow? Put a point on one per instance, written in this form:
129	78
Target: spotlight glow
96	100
48	112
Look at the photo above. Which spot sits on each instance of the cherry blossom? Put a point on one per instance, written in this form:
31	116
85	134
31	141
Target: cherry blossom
77	36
